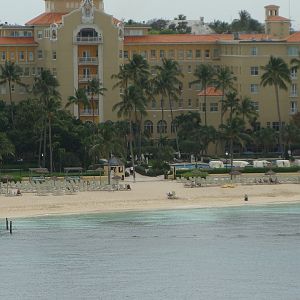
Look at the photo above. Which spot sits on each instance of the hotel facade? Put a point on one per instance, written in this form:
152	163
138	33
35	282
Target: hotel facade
77	41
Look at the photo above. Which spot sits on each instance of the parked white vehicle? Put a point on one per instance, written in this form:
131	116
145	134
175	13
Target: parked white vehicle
283	163
216	164
261	163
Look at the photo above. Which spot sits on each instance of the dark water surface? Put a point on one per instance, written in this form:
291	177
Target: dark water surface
224	253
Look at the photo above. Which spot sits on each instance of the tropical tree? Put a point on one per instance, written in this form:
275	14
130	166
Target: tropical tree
231	103
266	138
170	72
11	74
247	109
276	74
96	88
205	74
290	134
126	109
225	82
45	87
6	146
78	98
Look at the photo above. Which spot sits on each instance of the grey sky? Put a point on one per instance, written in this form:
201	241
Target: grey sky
20	11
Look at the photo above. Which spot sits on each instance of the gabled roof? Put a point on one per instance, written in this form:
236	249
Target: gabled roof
20	41
46	19
211	91
189	38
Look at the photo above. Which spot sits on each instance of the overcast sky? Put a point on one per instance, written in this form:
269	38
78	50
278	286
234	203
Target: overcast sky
20	11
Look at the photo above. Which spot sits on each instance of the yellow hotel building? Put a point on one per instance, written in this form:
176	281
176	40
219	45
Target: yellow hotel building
78	41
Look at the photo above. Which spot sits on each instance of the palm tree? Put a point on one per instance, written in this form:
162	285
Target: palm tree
6	146
224	82
170	71
80	97
10	73
277	74
126	108
96	88
266	138
290	134
204	74
231	103
247	109
45	87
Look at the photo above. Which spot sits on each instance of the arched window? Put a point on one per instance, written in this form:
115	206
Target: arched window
148	126
162	126
88	34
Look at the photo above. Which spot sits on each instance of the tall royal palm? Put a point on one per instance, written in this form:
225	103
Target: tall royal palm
277	74
224	82
11	74
171	86
204	74
126	109
78	98
45	87
96	88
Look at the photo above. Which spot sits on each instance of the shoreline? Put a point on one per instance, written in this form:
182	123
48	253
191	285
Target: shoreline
147	196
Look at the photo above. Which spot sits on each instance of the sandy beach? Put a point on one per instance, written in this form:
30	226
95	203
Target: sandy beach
150	195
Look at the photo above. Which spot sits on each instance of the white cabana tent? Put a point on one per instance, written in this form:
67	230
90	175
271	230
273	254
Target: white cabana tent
240	163
261	163
216	164
283	163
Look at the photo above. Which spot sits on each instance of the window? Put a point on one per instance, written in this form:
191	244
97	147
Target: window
171	54
40	34
294	73
12	55
189	54
30	56
26	71
40	54
213	107
204	107
254	71
162	126
180	103
254	88
120	54
189	69
294	91
21	55
293	51
148	126
268	124
54	54
253	51
126	54
162	53
3	55
190	85
153	54
293	107
255	105
198	53
47	33
207	53
153	104
275	125
54	72
190	102
180	54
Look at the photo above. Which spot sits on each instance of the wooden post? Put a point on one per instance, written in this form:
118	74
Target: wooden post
7	227
10	227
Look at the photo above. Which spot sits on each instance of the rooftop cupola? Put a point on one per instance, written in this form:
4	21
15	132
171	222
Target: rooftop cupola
64	6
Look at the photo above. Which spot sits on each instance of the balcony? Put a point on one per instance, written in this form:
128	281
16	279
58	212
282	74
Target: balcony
87	78
87	40
88	60
89	112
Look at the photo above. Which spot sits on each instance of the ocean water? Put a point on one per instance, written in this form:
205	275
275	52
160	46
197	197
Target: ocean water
249	252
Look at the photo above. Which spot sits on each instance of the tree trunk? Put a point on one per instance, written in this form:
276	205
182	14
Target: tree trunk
40	147
50	144
205	112
11	105
231	157
162	115
279	119
131	148
175	129
45	142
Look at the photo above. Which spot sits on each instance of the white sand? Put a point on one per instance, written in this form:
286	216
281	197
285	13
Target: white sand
149	195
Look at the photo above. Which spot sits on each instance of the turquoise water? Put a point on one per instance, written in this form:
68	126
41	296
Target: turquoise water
225	253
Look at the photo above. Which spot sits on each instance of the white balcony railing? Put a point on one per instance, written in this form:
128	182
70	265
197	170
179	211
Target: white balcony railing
88	60
89	112
86	78
88	39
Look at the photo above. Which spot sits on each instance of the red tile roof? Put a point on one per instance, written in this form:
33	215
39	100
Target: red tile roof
277	18
295	37
211	91
46	19
188	38
17	41
50	18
